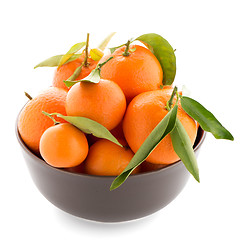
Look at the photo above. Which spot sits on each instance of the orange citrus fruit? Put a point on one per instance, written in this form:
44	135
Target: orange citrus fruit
138	72
107	159
63	146
32	122
103	102
143	114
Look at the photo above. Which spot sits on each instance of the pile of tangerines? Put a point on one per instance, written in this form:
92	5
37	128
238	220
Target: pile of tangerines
129	100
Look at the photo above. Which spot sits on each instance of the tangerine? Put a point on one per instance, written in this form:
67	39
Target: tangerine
103	102
63	146
138	72
108	159
143	114
32	122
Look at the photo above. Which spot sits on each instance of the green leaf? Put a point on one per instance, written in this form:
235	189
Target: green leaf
55	60
75	48
105	42
93	77
71	80
205	118
163	52
89	126
159	132
183	147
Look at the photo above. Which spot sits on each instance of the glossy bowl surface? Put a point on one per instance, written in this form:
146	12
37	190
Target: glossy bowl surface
89	197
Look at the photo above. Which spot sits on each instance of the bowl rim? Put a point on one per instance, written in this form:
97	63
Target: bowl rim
62	170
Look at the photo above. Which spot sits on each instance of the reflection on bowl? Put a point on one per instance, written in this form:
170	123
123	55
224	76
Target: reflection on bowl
89	197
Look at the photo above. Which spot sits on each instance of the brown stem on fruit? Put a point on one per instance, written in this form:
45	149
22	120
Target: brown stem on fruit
126	52
85	62
28	95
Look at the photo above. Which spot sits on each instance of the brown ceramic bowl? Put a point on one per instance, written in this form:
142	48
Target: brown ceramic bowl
89	197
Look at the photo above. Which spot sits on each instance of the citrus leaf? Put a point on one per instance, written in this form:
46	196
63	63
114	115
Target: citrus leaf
205	118
71	80
105	42
163	52
183	147
93	77
159	132
96	54
75	48
55	60
89	126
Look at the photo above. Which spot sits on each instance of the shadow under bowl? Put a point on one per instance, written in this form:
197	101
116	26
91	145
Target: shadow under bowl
89	197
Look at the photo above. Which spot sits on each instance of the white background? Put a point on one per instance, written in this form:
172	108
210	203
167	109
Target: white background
206	36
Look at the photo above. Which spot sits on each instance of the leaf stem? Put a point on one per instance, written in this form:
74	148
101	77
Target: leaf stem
85	62
170	101
50	115
103	63
126	52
